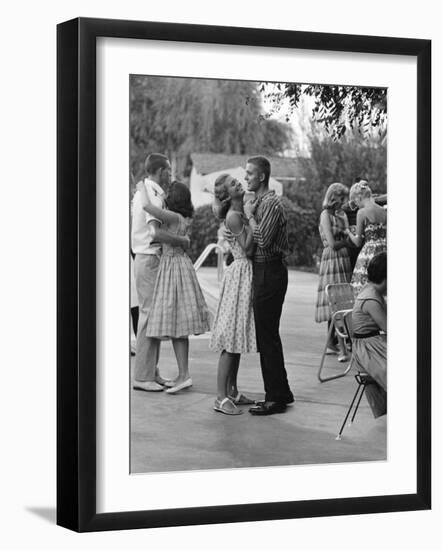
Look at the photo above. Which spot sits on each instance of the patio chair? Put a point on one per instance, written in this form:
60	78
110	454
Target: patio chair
363	380
341	300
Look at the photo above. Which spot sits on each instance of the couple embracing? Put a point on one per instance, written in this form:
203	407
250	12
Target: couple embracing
253	290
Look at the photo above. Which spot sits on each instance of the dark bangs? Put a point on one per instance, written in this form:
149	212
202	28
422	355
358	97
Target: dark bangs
377	268
178	199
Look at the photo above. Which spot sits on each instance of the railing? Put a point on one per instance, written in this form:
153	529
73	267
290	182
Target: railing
205	253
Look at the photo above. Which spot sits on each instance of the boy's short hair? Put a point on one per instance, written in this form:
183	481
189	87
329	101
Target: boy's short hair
263	165
154	162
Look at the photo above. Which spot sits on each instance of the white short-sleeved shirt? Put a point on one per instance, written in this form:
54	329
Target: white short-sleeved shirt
141	226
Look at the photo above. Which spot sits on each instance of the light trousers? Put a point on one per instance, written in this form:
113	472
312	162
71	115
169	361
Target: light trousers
148	349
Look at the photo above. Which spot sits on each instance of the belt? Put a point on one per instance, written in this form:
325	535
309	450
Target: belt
267	260
368	335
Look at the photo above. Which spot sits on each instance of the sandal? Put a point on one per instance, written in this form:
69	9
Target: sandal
241	399
219	407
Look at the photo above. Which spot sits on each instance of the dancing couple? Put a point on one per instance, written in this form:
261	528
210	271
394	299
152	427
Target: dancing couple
171	304
253	290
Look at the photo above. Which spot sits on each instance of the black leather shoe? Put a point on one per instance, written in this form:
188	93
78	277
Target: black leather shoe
268	407
289	401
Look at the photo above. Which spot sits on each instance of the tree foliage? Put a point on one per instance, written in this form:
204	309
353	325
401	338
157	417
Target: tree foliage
338	108
178	116
339	161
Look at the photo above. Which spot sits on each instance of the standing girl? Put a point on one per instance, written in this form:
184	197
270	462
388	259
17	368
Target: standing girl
178	307
371	229
335	262
233	330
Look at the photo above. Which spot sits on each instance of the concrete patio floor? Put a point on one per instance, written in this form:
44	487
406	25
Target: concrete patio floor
183	432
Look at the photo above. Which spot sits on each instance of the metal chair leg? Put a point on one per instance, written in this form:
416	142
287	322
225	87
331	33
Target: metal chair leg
338	437
357	404
321	366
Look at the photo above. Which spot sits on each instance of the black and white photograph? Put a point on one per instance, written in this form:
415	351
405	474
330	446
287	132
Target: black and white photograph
257	330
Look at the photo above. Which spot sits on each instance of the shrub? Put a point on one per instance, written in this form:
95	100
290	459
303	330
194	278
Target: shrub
303	235
203	231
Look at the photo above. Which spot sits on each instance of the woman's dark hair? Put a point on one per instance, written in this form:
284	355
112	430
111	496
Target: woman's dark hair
179	200
377	268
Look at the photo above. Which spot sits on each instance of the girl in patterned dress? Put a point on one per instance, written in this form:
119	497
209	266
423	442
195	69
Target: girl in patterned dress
371	229
233	330
178	307
335	262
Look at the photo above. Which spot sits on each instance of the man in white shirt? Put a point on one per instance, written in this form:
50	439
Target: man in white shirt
147	252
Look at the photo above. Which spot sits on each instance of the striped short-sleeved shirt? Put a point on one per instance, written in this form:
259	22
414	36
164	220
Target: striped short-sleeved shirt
270	233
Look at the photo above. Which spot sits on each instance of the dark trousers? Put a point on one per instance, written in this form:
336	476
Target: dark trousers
269	289
134	311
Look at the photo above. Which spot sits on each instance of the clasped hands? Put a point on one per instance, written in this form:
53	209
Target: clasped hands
249	210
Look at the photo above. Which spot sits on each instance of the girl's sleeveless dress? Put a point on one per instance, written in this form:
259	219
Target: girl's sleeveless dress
234	325
370	353
375	241
178	307
334	268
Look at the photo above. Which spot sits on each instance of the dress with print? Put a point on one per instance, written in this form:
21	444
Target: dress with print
234	325
375	241
178	307
335	267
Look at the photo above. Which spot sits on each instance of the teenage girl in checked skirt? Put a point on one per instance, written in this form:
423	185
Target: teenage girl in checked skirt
178	307
335	262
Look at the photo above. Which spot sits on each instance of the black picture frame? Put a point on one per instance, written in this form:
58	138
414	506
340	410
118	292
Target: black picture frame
76	274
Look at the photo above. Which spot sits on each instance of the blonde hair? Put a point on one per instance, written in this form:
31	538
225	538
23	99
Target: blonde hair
334	195
221	203
360	190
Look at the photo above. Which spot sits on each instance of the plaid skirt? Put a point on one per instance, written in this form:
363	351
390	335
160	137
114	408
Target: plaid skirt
178	307
334	268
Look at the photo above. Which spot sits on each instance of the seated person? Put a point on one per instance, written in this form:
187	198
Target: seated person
369	319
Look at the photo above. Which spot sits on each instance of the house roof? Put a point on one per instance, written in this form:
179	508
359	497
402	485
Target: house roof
206	163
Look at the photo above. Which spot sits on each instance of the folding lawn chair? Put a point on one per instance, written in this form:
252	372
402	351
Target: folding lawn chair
341	300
